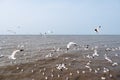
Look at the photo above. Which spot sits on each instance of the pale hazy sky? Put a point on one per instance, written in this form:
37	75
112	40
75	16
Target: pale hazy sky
59	16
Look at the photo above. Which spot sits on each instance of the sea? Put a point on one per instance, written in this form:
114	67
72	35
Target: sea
37	44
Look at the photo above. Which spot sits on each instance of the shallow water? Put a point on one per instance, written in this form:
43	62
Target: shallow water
36	46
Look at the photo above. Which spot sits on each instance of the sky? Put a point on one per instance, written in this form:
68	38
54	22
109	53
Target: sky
66	17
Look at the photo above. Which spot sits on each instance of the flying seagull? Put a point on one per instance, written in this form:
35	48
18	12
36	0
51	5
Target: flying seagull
12	56
71	44
97	29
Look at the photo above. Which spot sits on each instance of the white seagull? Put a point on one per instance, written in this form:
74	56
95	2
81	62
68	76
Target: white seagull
1	56
61	66
95	53
12	56
71	44
107	58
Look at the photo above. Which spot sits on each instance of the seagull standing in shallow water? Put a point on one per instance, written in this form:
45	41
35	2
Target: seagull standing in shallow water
95	53
12	56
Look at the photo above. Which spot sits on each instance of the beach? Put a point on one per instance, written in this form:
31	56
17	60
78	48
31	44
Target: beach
46	57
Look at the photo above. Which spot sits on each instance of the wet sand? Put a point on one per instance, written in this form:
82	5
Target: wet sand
75	61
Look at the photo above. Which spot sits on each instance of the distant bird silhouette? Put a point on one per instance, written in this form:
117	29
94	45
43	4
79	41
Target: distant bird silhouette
11	31
97	29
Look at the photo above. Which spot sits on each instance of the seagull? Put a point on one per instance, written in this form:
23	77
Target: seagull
105	70
95	53
70	44
49	55
11	31
103	78
115	64
107	58
12	56
88	56
97	29
107	49
61	66
1	56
